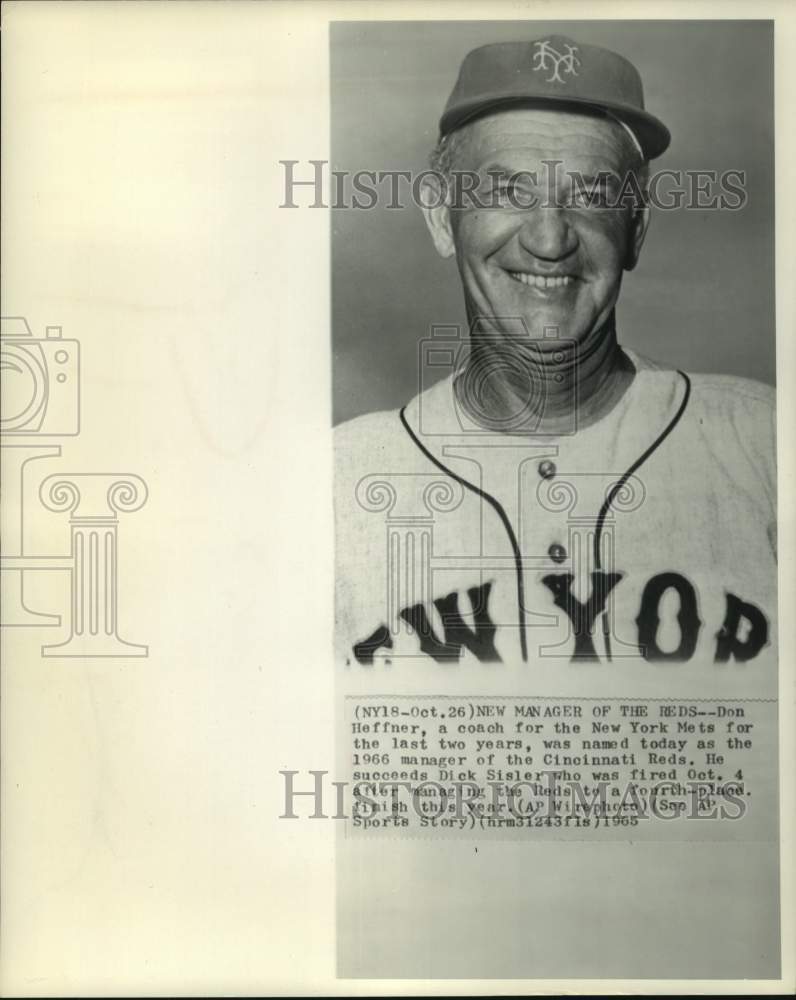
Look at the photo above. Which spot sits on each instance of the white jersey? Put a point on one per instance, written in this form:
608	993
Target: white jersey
646	536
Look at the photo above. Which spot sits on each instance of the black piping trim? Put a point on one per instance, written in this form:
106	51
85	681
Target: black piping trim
621	482
497	507
500	513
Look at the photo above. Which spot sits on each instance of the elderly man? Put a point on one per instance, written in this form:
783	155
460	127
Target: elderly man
557	497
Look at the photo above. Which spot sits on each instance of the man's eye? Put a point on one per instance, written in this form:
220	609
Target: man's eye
502	189
585	199
590	195
511	194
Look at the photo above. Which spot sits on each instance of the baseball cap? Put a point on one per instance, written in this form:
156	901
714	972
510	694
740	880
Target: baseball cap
549	72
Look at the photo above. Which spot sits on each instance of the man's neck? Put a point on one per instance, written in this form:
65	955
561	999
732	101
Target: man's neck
520	387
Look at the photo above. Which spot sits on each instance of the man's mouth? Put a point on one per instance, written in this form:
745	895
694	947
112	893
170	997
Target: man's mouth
541	280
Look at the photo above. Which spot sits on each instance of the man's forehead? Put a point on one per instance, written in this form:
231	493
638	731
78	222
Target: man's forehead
542	132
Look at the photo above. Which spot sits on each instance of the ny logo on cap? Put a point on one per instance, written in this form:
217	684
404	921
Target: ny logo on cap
547	58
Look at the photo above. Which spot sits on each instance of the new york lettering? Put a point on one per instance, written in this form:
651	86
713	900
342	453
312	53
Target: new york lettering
743	633
480	641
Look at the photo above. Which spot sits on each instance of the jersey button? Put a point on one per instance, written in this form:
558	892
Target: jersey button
547	469
557	552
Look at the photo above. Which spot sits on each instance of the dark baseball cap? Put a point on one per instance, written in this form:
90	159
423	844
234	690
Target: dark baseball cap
551	72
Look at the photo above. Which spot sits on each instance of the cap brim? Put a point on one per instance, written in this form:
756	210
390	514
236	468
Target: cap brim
653	136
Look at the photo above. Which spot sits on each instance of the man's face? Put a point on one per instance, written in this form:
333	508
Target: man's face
558	264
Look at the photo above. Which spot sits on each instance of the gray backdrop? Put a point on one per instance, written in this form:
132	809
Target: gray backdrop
702	297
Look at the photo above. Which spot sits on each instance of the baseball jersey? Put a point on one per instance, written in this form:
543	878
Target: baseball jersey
644	540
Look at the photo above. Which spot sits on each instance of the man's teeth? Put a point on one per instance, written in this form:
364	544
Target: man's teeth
539	281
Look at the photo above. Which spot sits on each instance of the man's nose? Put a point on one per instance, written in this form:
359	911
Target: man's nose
547	234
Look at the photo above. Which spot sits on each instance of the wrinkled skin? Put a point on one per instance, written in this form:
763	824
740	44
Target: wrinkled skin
556	235
590	245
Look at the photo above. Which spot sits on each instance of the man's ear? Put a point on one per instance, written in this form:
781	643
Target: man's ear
638	230
434	204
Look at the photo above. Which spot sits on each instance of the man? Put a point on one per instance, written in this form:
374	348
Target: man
556	497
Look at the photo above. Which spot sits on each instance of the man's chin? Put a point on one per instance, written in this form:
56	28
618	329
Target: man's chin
540	325
536	321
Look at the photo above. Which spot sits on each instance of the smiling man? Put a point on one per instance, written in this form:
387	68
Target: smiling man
542	235
556	497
